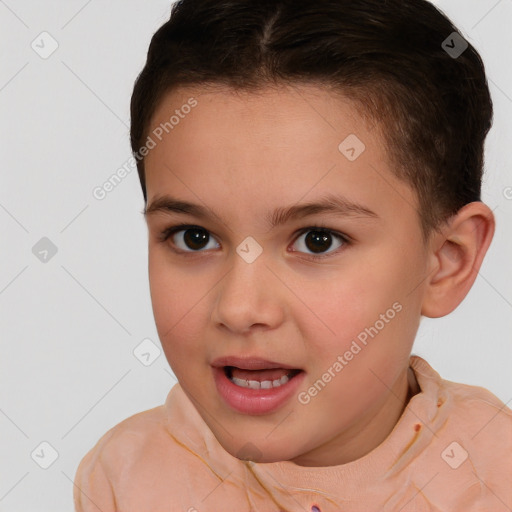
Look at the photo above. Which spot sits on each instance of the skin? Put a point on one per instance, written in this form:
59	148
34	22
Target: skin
242	155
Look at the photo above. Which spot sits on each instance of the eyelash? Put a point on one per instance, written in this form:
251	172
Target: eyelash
168	232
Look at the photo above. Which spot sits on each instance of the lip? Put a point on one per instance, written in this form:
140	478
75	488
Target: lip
254	401
250	363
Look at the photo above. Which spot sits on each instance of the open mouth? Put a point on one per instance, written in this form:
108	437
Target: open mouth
261	390
260	379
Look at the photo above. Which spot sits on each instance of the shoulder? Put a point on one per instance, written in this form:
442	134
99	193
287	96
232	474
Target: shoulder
467	448
130	439
479	407
116	452
477	436
472	413
165	450
481	423
467	404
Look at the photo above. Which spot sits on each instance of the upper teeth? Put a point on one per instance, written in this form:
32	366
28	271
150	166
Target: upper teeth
264	384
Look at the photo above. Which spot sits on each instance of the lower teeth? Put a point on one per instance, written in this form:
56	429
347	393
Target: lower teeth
265	384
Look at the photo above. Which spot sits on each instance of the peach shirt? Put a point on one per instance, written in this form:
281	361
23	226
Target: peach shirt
451	450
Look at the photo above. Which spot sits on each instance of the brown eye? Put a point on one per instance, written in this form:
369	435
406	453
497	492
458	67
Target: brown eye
196	238
314	241
190	239
318	241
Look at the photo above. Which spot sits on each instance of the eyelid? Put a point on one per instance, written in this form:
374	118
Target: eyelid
166	233
318	226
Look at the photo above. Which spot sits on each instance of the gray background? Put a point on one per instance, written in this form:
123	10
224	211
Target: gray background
69	325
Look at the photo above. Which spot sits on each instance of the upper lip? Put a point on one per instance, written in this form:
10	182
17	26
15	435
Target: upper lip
250	363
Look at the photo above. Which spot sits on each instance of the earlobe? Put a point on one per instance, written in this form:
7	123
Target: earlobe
457	256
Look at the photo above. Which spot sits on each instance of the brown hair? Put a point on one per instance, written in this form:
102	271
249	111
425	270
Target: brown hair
432	109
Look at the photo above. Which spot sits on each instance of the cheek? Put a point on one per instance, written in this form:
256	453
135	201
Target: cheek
364	315
164	290
339	308
178	303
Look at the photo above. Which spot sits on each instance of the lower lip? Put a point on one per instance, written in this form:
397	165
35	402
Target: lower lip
255	401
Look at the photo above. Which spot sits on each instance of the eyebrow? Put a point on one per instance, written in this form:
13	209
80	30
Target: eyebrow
330	203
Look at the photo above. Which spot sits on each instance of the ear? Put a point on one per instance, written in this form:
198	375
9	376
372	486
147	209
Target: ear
456	256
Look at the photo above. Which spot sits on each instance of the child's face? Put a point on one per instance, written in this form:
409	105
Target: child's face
242	157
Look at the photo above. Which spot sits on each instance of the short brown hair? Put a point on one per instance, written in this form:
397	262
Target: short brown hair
434	110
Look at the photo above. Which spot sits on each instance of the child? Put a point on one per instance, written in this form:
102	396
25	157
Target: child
311	172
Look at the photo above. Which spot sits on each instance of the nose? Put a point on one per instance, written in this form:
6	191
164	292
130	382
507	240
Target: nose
249	297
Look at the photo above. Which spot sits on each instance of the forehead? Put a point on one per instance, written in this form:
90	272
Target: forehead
281	111
267	147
